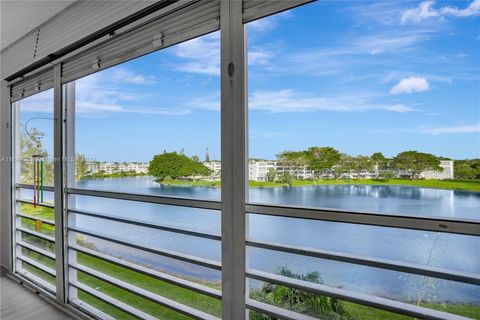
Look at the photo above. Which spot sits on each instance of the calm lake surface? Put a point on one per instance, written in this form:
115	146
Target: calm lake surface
455	252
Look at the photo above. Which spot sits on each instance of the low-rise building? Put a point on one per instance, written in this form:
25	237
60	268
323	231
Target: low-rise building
446	173
258	170
216	168
116	167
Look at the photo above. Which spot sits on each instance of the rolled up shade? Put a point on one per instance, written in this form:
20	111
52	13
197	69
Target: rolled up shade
178	22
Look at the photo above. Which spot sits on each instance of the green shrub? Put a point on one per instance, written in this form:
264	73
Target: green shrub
311	304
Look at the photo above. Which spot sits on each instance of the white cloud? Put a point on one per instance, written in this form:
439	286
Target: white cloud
389	42
288	100
259	56
293	101
426	10
262	25
202	55
400	108
452	129
41	102
334	60
96	95
422	12
267	24
122	75
410	85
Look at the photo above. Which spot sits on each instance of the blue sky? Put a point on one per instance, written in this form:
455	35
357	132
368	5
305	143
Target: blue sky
361	76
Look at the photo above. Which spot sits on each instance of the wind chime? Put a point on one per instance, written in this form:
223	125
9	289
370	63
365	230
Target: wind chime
38	161
38	164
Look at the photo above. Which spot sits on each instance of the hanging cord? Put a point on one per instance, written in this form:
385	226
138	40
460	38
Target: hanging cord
29	133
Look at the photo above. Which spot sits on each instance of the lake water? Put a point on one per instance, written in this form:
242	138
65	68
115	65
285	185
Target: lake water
449	251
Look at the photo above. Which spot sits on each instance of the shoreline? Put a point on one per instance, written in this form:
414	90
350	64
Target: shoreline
456	185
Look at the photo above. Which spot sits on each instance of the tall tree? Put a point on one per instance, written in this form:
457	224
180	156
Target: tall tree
346	164
271	175
322	158
467	169
80	166
293	158
414	163
363	164
379	159
173	165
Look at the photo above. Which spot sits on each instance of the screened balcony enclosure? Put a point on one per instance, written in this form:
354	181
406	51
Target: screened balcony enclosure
245	159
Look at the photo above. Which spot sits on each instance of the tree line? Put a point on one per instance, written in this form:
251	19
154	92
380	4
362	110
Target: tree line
328	160
319	159
467	169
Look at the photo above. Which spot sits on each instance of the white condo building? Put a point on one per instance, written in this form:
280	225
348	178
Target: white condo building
116	167
447	172
216	167
258	170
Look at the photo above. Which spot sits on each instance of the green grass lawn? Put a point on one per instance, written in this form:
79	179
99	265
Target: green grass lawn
38	212
359	312
190	298
187	183
465	185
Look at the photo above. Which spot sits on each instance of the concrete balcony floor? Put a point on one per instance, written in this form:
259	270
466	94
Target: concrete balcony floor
19	303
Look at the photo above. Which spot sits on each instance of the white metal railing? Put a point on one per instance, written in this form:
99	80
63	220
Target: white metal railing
194	260
108	300
199	288
364	299
146	224
173	305
468	227
445	274
21	243
463	226
162	252
173	201
458	226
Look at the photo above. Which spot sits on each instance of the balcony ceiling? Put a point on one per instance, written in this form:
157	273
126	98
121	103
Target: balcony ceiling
18	17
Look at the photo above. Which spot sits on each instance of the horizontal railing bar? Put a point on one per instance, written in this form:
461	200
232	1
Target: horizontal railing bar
360	298
112	301
36	234
30	186
170	304
458	226
45	205
276	312
91	311
147	224
35	282
37	265
428	271
25	216
36	249
174	201
166	253
152	273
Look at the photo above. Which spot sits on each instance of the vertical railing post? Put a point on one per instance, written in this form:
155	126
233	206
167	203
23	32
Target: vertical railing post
16	164
69	200
6	181
234	158
58	182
